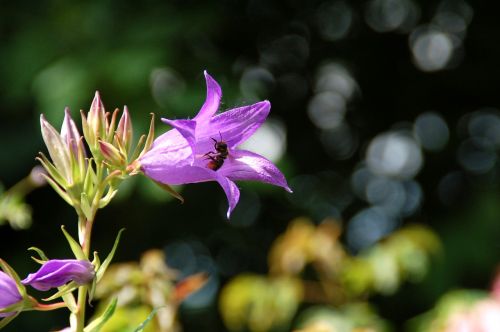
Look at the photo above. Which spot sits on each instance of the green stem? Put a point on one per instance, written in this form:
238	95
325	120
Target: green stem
80	314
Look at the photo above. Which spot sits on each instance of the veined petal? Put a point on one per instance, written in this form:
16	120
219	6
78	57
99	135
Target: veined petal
214	94
234	126
231	190
172	175
249	166
186	128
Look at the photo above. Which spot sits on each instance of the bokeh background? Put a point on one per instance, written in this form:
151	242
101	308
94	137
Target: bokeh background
384	113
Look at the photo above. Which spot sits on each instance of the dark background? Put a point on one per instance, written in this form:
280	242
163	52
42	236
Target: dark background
399	59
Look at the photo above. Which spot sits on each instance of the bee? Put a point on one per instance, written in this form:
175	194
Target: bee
218	156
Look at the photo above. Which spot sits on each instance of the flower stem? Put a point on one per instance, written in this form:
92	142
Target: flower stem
80	314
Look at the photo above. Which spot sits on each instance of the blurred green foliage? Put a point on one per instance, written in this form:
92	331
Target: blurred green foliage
150	56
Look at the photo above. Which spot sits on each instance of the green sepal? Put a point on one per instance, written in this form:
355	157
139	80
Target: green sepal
10	271
75	247
85	206
137	150
63	290
151	136
18	306
92	291
98	323
107	261
52	170
170	190
90	179
96	261
107	198
112	125
64	195
43	258
141	326
87	133
7	320
70	301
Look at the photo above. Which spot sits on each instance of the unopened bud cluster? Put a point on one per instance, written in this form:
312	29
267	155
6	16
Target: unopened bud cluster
89	181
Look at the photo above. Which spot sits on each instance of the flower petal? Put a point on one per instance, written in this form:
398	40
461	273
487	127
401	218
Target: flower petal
186	128
9	294
69	132
249	166
214	94
231	190
172	175
57	272
234	126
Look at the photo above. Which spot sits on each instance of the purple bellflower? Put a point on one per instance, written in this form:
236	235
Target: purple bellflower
191	152
57	272
9	293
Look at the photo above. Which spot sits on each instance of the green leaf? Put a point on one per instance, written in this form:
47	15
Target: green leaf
10	271
7	320
75	246
58	189
107	261
98	323
68	288
43	258
85	205
170	190
141	327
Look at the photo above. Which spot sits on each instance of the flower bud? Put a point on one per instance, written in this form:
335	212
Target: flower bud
124	130
57	272
58	150
69	132
96	120
111	154
9	293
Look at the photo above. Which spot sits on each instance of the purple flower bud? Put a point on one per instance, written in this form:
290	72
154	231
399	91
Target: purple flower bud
124	130
69	132
57	272
9	294
97	117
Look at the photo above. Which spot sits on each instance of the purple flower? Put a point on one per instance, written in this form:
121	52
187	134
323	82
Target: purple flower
194	151
57	272
9	294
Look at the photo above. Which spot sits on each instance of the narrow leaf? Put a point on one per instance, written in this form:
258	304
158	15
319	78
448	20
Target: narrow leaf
58	190
96	324
10	271
63	290
85	205
141	327
170	190
75	246
40	252
107	261
7	320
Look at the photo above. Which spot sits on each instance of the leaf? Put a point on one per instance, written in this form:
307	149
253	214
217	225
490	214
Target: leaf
10	271
68	288
75	246
43	257
58	189
170	190
7	320
96	324
141	327
107	261
85	205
